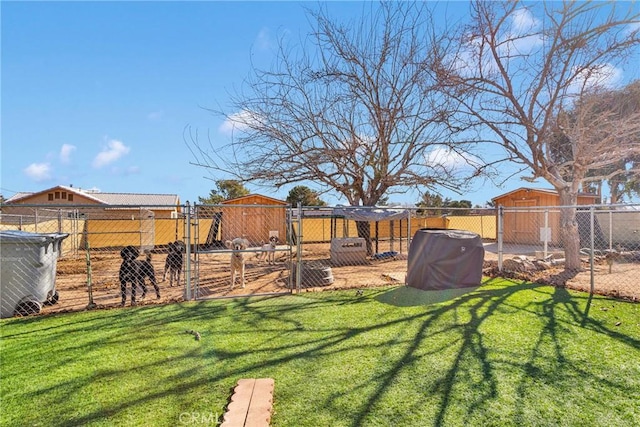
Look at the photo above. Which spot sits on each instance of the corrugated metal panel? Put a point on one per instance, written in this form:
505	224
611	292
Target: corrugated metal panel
138	199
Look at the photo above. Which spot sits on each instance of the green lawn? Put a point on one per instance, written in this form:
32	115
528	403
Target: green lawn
505	354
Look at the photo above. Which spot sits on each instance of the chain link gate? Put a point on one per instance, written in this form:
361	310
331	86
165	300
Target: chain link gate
264	259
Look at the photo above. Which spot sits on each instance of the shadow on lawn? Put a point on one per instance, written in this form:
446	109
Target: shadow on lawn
556	308
464	313
481	303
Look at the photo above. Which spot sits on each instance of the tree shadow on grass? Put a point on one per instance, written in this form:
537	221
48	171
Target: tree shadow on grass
253	350
561	308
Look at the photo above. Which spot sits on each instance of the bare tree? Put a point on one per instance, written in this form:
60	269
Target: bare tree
521	66
356	109
598	139
622	174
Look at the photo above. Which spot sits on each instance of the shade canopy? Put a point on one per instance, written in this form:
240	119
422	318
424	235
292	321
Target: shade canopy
371	213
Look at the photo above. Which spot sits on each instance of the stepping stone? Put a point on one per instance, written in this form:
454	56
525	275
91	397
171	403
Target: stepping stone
251	404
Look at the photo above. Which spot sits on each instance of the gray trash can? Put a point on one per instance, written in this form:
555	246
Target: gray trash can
28	271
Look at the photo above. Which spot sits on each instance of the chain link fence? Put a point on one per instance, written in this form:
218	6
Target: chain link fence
188	252
351	247
530	245
87	271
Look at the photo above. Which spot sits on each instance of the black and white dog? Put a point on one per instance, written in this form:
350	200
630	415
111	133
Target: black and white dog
173	263
268	250
135	272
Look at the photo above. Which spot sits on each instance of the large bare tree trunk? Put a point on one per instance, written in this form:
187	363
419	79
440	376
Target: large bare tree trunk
569	229
364	231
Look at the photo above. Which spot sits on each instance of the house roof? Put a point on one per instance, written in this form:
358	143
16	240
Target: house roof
541	190
250	196
138	199
125	199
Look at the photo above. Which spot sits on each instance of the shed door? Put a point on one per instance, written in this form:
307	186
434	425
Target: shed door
254	225
527	223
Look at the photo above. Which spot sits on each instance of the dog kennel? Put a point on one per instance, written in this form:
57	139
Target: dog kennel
445	259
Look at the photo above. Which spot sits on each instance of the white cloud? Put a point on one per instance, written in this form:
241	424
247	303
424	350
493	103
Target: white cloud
523	20
65	153
155	115
450	160
129	170
633	27
524	32
264	41
519	38
38	171
112	152
603	76
237	122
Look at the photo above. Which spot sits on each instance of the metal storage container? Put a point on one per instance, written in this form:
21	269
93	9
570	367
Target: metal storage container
348	251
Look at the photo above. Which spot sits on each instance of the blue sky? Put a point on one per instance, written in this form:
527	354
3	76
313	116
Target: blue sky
97	94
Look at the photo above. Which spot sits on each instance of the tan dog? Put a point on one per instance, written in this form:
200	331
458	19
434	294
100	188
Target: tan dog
268	250
237	245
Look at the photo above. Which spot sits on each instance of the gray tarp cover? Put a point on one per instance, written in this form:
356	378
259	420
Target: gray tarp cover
371	213
445	259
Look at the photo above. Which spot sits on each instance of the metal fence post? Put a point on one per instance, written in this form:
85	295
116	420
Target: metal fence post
409	235
188	260
546	233
500	235
299	250
592	244
610	229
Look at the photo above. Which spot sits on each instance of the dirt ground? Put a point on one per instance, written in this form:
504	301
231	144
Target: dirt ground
212	278
619	279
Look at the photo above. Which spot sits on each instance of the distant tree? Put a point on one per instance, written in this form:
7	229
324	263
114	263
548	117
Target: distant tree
226	189
458	204
213	199
430	200
460	207
304	195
